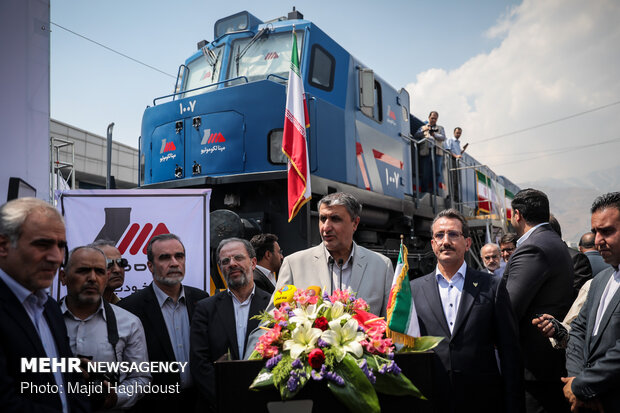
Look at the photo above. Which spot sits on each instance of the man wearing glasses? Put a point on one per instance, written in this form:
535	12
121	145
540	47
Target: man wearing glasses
471	310
116	269
507	245
222	323
165	308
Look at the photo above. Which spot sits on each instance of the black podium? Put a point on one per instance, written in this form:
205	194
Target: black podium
234	379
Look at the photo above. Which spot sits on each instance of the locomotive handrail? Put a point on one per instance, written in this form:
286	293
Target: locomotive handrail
278	76
201	87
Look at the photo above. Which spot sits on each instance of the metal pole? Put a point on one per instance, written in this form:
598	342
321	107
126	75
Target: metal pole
109	157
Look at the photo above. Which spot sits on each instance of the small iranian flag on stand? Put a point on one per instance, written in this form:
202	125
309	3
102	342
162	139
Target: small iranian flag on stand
483	187
402	318
294	144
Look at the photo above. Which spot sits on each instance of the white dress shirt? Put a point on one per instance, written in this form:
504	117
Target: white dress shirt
610	290
450	293
89	337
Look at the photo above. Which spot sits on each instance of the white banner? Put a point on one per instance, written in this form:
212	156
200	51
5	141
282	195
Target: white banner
130	218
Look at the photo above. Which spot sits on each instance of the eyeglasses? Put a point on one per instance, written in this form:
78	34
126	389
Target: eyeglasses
237	258
508	249
121	262
452	235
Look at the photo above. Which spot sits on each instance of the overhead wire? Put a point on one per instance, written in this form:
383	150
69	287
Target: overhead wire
574	115
112	50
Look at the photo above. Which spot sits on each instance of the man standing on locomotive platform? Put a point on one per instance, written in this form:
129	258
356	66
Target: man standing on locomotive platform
472	311
165	308
338	262
539	280
593	350
437	135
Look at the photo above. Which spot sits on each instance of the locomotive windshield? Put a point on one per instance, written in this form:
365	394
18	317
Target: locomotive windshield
269	55
203	71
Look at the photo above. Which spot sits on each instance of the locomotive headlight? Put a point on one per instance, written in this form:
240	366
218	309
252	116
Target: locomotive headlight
276	155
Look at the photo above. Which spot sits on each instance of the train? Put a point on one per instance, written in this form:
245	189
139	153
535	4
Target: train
222	128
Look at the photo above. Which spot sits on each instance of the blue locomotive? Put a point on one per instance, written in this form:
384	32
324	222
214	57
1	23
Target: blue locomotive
222	128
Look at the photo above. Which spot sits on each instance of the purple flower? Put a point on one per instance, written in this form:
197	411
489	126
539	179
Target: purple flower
291	384
326	297
333	377
321	343
393	368
383	369
283	324
316	376
272	362
297	364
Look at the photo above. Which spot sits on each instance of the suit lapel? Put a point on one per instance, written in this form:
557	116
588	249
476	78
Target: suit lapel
20	316
158	324
357	271
615	301
258	304
226	313
470	291
431	292
320	263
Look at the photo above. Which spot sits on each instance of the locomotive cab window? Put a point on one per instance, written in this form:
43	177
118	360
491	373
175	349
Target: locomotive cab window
322	67
276	156
370	95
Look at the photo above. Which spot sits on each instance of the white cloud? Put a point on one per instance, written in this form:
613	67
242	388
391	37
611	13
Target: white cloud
557	58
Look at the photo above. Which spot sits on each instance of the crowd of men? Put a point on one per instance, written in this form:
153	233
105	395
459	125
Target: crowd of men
504	348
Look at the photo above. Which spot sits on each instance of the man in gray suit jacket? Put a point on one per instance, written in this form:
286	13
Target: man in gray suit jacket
337	263
340	263
593	351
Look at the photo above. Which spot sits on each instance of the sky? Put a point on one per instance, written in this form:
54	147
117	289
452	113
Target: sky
492	67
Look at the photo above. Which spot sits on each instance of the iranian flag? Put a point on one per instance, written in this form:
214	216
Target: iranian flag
294	144
508	197
484	192
402	318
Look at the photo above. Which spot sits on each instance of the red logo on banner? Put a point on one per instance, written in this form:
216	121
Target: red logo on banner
142	239
271	55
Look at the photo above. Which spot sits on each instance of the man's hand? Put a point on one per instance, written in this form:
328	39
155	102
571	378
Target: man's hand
111	399
544	325
575	403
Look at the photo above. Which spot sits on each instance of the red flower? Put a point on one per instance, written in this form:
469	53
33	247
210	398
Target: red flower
316	358
322	323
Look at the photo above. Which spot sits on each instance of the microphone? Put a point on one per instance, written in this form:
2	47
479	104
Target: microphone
340	264
330	260
284	295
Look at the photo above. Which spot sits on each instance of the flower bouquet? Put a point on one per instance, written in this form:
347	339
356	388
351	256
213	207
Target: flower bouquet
329	338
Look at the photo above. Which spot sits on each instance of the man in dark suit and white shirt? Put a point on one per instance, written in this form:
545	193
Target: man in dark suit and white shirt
586	245
32	247
472	311
539	280
165	308
593	351
222	323
268	261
